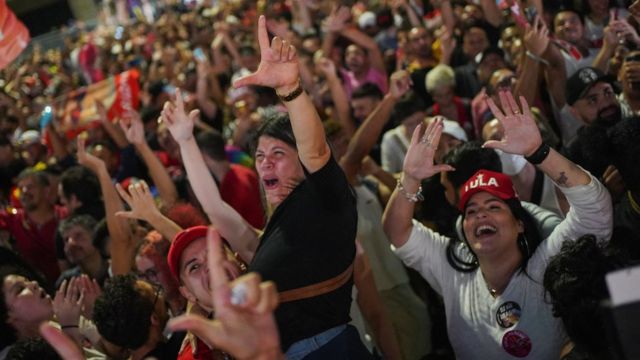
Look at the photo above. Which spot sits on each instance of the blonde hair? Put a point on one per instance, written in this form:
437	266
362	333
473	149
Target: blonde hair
439	77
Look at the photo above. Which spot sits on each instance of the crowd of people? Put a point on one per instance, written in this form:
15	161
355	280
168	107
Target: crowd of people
308	179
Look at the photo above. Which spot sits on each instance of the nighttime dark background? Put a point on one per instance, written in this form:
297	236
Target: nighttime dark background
42	16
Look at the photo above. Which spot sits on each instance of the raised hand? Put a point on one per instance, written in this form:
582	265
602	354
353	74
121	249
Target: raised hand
133	129
91	291
67	303
419	161
447	43
337	20
536	37
180	124
140	200
521	134
400	83
279	65
93	163
327	67
244	325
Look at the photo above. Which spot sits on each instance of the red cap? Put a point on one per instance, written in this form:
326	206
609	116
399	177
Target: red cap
180	242
497	184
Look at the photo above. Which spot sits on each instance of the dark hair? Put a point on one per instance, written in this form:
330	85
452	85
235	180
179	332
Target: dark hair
211	143
101	237
122	313
82	183
186	215
32	348
149	114
589	149
564	9
625	151
278	127
12	264
467	159
39	176
575	281
87	222
367	90
406	106
528	241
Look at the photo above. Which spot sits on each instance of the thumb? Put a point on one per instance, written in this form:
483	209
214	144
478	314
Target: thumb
194	114
247	80
209	331
126	214
493	144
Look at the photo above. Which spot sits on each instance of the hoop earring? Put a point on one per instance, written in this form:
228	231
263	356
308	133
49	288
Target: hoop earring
524	245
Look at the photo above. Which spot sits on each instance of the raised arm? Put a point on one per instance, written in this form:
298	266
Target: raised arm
133	129
122	246
110	128
279	70
491	12
338	95
369	132
235	229
418	165
522	137
364	40
208	106
536	42
143	207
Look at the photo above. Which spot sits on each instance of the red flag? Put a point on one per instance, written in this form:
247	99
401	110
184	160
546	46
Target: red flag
14	36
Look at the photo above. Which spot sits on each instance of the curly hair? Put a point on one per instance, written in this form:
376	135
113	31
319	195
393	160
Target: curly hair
33	348
123	313
575	282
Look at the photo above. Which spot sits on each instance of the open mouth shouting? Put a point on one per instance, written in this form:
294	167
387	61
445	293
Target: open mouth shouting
483	231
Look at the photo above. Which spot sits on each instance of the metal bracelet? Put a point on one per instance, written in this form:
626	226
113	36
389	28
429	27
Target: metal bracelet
415	197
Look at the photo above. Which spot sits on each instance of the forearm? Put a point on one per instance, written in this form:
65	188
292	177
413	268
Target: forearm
121	244
159	175
227	220
601	61
397	216
367	134
563	172
341	102
527	84
163	225
115	133
446	12
491	12
57	143
555	75
308	130
205	104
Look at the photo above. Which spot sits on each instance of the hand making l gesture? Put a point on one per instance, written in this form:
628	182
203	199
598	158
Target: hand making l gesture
279	65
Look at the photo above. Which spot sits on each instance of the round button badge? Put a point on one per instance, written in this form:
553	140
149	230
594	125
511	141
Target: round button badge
508	314
516	343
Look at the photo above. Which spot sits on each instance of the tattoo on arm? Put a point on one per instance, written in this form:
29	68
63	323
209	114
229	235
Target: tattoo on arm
562	179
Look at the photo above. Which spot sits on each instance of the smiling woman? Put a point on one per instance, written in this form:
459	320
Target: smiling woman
494	303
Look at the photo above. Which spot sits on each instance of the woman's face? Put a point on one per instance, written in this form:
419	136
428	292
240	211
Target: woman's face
26	301
278	167
490	227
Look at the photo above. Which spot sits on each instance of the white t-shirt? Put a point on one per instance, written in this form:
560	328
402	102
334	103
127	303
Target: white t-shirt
519	322
393	149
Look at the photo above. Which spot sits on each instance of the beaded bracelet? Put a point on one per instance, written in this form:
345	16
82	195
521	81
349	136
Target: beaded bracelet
415	197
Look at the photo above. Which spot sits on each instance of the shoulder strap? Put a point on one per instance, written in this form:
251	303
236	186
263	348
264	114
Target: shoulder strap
316	289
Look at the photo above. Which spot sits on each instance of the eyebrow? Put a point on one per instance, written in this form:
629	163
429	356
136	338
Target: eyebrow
491	199
186	265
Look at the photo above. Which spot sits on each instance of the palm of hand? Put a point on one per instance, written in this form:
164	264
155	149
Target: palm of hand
521	134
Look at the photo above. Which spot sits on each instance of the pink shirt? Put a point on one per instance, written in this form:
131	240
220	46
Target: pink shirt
373	76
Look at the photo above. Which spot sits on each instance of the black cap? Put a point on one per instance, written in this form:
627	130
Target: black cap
491	50
580	83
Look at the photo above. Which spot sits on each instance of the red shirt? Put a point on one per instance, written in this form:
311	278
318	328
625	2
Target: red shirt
36	244
241	190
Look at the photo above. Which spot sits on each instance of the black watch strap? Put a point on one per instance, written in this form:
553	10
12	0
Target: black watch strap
539	155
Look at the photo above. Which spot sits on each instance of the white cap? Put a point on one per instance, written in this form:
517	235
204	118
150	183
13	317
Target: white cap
454	129
367	18
29	137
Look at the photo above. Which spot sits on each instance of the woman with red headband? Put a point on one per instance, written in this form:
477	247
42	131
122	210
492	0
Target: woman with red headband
495	305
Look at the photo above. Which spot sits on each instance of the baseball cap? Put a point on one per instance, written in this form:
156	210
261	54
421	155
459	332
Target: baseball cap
454	129
495	183
580	82
180	242
29	137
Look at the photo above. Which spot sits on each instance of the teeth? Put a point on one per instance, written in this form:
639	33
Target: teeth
484	229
